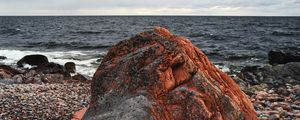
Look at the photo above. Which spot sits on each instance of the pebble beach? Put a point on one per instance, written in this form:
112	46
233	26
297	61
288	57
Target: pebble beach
43	101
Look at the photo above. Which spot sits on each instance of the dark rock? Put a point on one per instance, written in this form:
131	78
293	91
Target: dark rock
53	68
3	57
283	57
251	75
7	72
276	76
70	67
99	60
297	96
79	77
33	60
158	75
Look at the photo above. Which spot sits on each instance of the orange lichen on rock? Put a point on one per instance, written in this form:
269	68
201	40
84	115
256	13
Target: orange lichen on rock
158	75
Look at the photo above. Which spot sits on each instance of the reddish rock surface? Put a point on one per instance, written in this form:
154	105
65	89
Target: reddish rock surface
7	72
158	75
79	114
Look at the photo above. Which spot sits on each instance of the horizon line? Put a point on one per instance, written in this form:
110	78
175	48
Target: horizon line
62	15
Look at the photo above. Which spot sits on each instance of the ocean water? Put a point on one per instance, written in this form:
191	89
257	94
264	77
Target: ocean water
230	42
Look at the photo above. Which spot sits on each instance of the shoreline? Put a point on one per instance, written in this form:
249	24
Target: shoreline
267	101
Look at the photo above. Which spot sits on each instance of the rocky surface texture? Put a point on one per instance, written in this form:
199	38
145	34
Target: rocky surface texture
274	90
39	102
158	75
7	72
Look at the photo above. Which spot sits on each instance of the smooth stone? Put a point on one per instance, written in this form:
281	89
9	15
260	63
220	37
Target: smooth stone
33	60
3	57
79	77
70	67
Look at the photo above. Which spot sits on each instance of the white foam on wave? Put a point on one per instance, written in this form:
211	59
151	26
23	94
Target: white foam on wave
84	60
27	66
223	68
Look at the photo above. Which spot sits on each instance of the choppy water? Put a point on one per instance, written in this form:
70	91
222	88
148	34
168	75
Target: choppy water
228	41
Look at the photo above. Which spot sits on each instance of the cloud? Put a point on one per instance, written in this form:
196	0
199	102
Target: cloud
153	7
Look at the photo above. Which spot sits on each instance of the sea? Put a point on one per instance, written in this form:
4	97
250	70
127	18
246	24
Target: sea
230	42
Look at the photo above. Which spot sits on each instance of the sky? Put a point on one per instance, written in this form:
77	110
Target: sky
151	7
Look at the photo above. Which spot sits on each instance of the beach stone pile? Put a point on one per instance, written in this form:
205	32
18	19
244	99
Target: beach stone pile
274	89
47	101
274	105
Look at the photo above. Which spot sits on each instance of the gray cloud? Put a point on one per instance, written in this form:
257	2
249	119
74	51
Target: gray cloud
153	7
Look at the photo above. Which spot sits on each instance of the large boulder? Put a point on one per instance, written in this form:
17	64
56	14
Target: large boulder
35	60
158	75
283	57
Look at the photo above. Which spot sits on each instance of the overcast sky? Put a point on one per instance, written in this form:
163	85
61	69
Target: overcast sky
151	7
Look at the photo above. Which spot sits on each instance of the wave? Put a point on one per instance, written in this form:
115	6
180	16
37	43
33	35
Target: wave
87	32
199	34
95	32
293	28
10	31
69	45
281	33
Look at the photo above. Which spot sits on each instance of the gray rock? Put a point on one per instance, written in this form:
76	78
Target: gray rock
18	78
117	107
30	73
